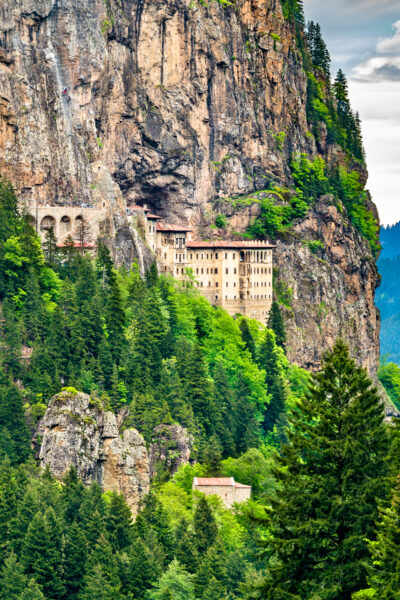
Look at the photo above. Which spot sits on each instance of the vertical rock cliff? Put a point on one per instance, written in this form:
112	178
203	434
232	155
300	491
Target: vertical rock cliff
176	104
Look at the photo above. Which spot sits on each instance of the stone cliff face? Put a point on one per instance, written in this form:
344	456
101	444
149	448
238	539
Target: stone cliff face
176	104
75	431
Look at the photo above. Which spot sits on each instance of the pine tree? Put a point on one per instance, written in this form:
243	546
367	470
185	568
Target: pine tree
50	248
13	422
318	50
139	571
103	555
205	527
31	592
154	514
42	553
214	590
384	568
13	580
330	476
212	566
119	524
73	493
175	583
199	392
75	554
97	585
185	547
247	337
276	323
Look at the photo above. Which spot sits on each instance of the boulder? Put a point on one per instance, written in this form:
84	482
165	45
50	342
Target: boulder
77	431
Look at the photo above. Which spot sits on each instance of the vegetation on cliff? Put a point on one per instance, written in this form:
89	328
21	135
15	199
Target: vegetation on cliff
162	350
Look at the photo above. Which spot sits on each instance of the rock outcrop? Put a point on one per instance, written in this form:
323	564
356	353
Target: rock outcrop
77	431
176	104
170	448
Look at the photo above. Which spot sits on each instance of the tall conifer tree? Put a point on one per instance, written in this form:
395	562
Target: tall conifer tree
330	476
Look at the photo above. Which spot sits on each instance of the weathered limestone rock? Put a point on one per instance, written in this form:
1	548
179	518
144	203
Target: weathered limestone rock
171	447
177	104
76	431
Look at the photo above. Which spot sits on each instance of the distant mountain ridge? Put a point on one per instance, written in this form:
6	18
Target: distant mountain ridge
390	241
388	294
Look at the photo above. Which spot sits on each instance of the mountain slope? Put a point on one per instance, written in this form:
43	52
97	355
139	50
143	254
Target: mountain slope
193	109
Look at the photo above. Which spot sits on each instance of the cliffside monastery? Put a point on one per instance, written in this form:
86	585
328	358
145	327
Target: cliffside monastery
236	275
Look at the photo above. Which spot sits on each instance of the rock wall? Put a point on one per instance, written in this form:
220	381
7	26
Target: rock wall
176	104
170	448
76	431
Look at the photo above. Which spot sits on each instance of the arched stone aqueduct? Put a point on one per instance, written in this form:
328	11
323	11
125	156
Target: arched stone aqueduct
64	220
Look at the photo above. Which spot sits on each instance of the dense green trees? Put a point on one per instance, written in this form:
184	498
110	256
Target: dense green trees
330	474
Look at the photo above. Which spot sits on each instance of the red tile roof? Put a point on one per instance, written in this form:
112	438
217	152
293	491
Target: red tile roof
150	216
230	244
169	227
218	481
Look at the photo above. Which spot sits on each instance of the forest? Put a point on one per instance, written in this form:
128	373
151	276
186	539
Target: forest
322	460
316	450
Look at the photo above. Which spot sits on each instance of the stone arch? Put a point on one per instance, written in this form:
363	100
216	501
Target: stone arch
48	222
78	218
65	225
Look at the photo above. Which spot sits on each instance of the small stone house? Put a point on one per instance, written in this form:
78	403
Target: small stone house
225	487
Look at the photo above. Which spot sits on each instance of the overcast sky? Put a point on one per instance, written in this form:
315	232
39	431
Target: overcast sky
363	37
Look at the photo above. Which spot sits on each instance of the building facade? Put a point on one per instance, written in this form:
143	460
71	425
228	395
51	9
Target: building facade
225	487
236	275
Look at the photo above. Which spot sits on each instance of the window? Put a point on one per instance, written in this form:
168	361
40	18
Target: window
201	257
234	271
197	257
177	271
234	284
227	284
226	255
216	296
226	297
165	268
216	271
165	256
202	271
216	255
216	284
234	297
209	284
207	271
226	271
191	257
197	270
182	270
207	256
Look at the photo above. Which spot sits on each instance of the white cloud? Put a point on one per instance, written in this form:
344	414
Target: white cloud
385	65
379	107
390	45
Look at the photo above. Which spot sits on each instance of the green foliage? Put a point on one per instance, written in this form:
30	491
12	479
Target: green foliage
389	376
175	583
384	567
314	245
330	467
312	180
221	221
277	324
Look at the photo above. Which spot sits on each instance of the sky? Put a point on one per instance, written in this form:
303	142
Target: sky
363	38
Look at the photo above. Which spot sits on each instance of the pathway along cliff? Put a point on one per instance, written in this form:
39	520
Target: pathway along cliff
176	104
